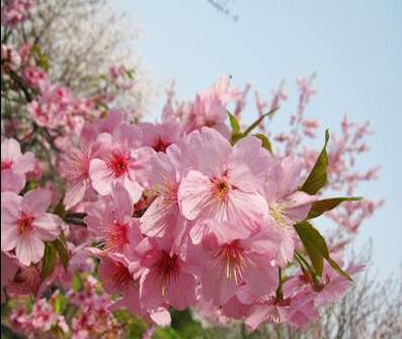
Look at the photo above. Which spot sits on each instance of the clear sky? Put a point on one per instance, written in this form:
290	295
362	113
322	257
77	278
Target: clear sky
355	47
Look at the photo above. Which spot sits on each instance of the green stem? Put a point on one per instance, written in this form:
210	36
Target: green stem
279	290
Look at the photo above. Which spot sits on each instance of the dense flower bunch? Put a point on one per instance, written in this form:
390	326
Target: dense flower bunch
101	213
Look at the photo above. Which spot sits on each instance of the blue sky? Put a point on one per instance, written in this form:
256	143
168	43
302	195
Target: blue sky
355	47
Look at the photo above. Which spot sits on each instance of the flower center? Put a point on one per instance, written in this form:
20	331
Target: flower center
167	268
120	275
117	237
209	123
168	190
118	163
6	164
232	259
277	212
221	188
160	146
25	224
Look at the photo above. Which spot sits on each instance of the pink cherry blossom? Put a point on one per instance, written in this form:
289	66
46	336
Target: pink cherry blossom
232	258
14	165
77	163
160	136
110	221
166	278
25	225
287	206
9	267
124	162
224	182
36	77
163	218
15	12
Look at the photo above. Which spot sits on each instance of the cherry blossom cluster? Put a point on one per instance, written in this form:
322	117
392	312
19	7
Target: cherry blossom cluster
14	12
101	212
184	213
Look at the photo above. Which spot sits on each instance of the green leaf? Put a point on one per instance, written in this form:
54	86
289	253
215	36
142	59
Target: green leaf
235	138
42	60
317	249
234	123
60	304
265	142
314	244
76	283
322	206
128	72
62	250
258	121
49	261
237	134
318	175
167	333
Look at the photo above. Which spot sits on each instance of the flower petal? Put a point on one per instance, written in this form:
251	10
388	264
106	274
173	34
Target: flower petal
9	236
10	149
101	177
75	193
298	205
159	218
10	208
36	202
12	181
25	163
194	194
47	227
248	164
122	202
29	249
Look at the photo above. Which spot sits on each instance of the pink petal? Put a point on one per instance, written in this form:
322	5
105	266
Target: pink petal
197	231
29	249
12	181
122	202
261	276
223	129
9	237
75	193
289	178
150	290
36	202
180	292
194	194
9	268
226	232
298	205
133	188
163	169
260	314
248	164
209	151
25	163
266	241
128	136
10	149
247	208
10	209
217	286
101	177
160	316
159	218
47	227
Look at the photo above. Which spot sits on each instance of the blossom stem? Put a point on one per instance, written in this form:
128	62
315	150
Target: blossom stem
279	290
